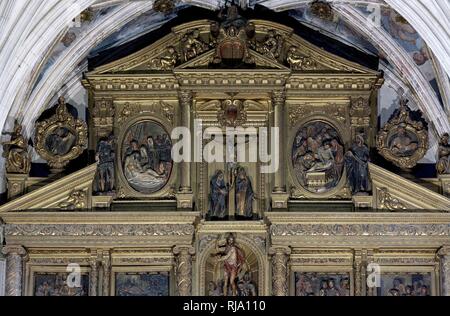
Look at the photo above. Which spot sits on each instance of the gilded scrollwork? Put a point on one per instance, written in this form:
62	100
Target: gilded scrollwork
272	45
15	151
76	200
192	45
167	61
404	139
388	202
128	111
298	61
61	138
232	113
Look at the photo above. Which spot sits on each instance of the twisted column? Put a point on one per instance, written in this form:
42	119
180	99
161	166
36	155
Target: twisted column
183	258
280	259
185	98
14	269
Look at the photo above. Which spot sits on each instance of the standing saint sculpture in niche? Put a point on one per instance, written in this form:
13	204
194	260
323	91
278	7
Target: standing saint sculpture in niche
233	258
105	159
443	164
244	194
219	196
357	163
147	157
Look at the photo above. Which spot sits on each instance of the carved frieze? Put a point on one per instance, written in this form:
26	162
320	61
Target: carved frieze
285	230
53	230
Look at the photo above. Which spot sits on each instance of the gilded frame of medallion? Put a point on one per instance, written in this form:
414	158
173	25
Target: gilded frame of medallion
241	238
322	269
143	269
61	119
296	190
417	128
34	269
124	189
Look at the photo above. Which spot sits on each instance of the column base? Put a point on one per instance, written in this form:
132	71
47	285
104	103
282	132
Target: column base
280	200
185	200
363	201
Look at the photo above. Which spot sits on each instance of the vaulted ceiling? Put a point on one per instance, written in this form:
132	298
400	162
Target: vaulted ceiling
42	49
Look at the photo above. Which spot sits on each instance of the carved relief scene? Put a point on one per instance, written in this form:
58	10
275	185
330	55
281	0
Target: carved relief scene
239	151
147	157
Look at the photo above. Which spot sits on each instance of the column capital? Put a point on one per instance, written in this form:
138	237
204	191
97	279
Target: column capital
186	97
279	97
184	250
444	251
14	250
280	250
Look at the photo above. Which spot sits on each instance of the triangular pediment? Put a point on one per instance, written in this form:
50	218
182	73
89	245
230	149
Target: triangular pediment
69	193
167	54
395	193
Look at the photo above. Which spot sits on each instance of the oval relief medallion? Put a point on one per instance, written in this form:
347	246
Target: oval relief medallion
318	157
147	157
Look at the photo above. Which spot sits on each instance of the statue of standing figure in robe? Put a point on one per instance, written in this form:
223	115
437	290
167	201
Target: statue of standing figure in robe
357	163
244	194
219	196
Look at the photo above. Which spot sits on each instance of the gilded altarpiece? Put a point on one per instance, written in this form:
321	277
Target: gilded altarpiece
154	230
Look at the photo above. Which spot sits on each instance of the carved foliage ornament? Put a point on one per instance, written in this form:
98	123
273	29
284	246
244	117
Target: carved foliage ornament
61	138
388	202
404	139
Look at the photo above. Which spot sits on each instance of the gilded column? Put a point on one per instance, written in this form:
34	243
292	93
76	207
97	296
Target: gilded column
186	105
444	255
14	269
280	259
279	99
183	258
